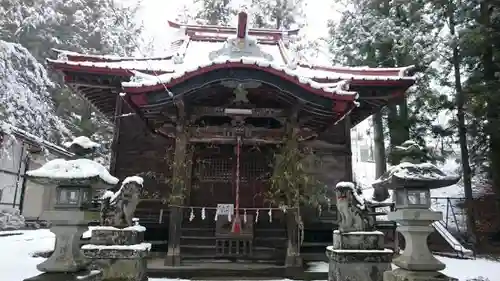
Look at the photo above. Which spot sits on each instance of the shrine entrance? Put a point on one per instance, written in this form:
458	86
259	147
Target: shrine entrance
214	175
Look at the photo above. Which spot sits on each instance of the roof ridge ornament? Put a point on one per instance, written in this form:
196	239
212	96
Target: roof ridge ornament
242	45
242	29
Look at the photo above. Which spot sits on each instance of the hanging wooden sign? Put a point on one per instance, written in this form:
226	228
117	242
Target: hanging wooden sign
225	209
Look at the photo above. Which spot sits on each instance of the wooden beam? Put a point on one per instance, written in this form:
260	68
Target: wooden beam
223	111
250	135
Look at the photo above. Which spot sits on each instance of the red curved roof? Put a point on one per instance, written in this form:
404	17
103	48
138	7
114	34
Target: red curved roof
202	49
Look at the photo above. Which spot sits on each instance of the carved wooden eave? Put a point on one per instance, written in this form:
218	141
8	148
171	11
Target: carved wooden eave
250	135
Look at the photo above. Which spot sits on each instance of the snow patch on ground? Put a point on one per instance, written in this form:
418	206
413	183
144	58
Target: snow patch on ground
17	262
10	218
20	264
461	269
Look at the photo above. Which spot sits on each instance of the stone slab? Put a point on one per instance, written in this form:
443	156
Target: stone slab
357	271
123	270
414	215
126	254
358	240
353	256
116	237
406	275
358	265
93	275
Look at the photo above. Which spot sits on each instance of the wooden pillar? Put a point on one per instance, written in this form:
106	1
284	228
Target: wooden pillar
116	132
348	156
178	189
293	258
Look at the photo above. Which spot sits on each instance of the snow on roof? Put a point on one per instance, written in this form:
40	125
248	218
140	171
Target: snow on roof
82	141
209	47
33	140
167	78
421	171
61	169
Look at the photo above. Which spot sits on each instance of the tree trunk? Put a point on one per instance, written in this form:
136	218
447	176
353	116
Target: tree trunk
462	133
378	142
492	106
85	121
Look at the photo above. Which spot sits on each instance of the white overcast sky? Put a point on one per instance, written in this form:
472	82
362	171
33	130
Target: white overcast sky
155	13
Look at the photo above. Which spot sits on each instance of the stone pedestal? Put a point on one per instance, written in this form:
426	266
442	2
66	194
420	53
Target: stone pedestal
415	225
358	256
120	253
67	256
400	274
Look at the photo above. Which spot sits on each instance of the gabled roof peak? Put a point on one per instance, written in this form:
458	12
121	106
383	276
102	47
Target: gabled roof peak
242	29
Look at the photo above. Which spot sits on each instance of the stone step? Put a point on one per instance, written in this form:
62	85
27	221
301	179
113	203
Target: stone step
258	253
272	242
198	232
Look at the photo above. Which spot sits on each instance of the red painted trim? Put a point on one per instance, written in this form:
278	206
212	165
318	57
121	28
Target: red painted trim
406	83
340	107
92	58
98	70
138	100
369	71
242	25
200	71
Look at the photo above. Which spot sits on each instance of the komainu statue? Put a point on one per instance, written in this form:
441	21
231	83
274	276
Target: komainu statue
117	208
353	210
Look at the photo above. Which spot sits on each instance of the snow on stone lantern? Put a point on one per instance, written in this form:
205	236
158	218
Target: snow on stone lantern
411	182
76	182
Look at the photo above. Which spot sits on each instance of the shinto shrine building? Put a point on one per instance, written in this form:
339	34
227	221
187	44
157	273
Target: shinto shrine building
202	126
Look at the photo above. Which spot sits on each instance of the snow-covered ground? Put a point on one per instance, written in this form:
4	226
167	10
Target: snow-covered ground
17	264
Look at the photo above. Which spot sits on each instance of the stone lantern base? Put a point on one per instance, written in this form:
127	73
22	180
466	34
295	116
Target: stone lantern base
120	254
400	274
358	256
67	256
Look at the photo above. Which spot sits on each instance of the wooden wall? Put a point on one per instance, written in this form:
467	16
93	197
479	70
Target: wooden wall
140	152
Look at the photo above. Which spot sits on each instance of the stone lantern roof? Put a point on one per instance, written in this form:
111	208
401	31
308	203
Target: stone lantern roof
79	171
412	172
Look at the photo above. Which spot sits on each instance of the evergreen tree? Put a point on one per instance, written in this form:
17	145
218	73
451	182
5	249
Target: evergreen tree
480	45
24	94
277	14
75	25
215	12
383	33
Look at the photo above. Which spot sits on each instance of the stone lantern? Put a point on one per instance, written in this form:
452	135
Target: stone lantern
411	182
75	183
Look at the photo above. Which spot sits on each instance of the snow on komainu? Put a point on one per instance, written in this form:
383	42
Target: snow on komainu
118	207
353	209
